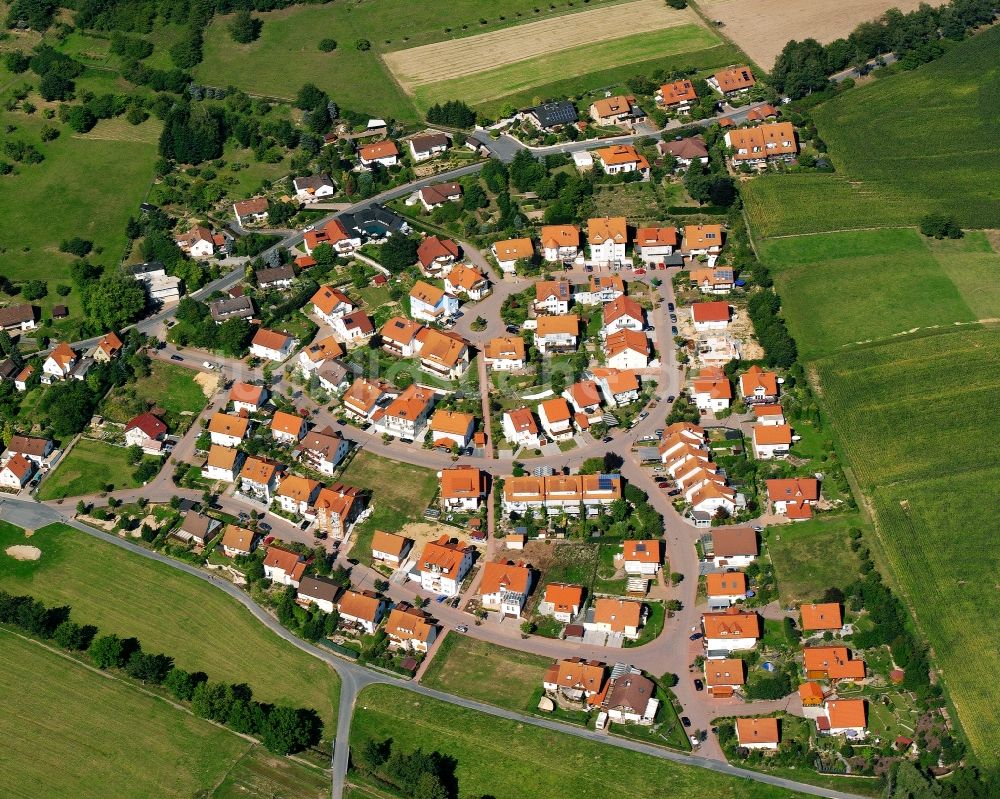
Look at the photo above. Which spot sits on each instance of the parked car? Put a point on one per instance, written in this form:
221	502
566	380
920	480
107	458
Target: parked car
685	721
694	636
673	330
643	415
264	525
673	318
698	685
208	365
512	329
462	628
663	484
674	492
176	358
640	271
606	439
671	398
670	306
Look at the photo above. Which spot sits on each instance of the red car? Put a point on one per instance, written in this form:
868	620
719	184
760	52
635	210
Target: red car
663	485
640	271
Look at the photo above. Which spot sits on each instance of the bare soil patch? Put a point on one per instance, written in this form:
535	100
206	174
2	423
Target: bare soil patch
209	383
422	532
23	552
431	63
762	27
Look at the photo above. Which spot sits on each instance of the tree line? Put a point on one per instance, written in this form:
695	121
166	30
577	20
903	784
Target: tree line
283	730
415	775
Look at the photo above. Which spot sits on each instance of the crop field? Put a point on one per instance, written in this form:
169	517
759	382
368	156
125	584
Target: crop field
168	611
811	556
885	283
509	760
763	27
68	722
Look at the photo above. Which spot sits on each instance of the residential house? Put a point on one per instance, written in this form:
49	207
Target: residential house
607	237
296	494
556	333
553	115
436	256
437	194
330	304
443	565
16	472
271	345
374	223
314	188
703	240
553	297
161	287
390	548
756	147
758	386
730	630
812	696
143	430
334	233
678	95
283	567
197	527
504	353
710	315
107	348
231	308
621	158
226	430
678	434
333	376
768	414
319	591
831	663
561	601
287	428
509	251
725	588
618	386
685	151
272	278
711	495
822	616
237	541
655	244
504	588
452	428
355	326
762	112
259	478
430	304
323	451
313	356
616	616
224	463
623	313
758	733
399	336
23	378
247	398
560	492
410	629
711	390
384	153
463	488
585	398
365	397
847	717
34	449
631	699
520	428
644	558
59	363
443	353
771	441
406	416
363	609
336	508
467	281
560	242
602	289
793	497
251	212
577	680
732	80
427	145
717	280
556	419
617	110
724	676
733	547
17	317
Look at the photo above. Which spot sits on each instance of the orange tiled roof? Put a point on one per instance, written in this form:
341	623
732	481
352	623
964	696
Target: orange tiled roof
757	731
822	616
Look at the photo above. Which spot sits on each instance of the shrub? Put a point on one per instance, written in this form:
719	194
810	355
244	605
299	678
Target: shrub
363	45
327	45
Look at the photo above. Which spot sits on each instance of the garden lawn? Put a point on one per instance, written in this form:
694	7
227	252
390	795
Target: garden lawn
871	285
511	760
400	494
87	469
75	732
172	388
170	612
813	555
486	672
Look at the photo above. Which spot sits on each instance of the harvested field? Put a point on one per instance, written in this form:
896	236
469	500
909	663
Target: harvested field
119	129
484	52
763	27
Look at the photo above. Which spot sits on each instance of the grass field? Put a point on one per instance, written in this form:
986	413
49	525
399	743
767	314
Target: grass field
486	672
68	724
908	277
401	494
172	390
87	469
168	612
813	555
509	760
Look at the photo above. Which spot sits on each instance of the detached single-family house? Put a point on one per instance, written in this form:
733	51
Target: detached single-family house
465	280
399	336
330	303
711	390
509	251
553	296
231	308
710	315
644	558
703	240
822	616
410	629
758	733
793	497
252	211
617	616
430	304
618	386
22	379
631	699
365	397
313	356
717	280
626	350
278	277
16	472
107	348
283	567
607	237
437	194
259	478
520	428
224	463
384	153
443	565
560	242
771	441
504	588
271	345
443	353
427	145
354	326
197	527
226	430
556	419
504	353
679	95
436	256
314	188
287	428
561	601
730	630
361	608
463	488
576	679
623	313
732	80
685	151
323	451
336	508
847	717
237	541
617	110
143	430
602	290
17	317
406	416
757	146
733	547
553	115
59	363
723	676
452	428
557	333
655	244
620	158
832	663
725	588
585	398
758	386
31	447
319	591
390	548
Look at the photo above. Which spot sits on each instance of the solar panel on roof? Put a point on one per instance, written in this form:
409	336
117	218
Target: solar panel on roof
605	482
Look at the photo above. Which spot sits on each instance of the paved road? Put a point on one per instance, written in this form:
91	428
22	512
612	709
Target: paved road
354	677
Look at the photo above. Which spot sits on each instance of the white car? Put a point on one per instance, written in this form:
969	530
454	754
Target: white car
208	365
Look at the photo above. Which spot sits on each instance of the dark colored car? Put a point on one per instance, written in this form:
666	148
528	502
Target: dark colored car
663	484
673	331
670	306
673	492
176	358
673	317
694	636
699	685
685	721
606	439
671	398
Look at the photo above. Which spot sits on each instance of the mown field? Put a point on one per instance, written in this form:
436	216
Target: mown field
508	760
880	283
168	611
68	732
87	469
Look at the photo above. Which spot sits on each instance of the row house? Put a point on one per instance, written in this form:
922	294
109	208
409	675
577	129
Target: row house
561	492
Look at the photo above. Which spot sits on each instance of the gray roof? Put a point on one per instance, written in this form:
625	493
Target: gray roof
560	112
312	182
147	267
427	141
318	588
198	526
8	369
275	275
692	147
16	314
373	220
240	307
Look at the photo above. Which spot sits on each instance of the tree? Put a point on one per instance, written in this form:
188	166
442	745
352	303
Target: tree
115	301
287	730
939	226
363	44
74	637
212	700
134	454
398	253
68	406
182	683
800	69
327	45
245	27
112	652
148	668
76	246
34	289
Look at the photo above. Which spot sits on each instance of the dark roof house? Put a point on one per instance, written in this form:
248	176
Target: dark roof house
554	114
